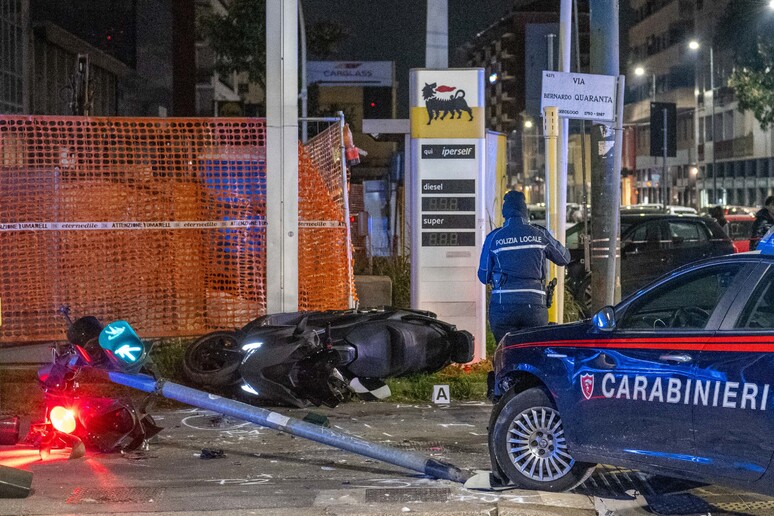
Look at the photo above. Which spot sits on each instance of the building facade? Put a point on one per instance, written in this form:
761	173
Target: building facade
14	31
514	52
43	44
723	156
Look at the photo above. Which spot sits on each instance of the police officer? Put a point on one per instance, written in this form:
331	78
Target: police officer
764	220
513	261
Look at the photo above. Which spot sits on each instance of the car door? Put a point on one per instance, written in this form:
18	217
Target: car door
735	420
643	255
642	372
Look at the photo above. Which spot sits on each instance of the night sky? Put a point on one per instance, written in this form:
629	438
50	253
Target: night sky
394	30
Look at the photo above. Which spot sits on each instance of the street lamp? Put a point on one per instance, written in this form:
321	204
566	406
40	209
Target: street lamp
639	71
531	154
695	46
693	196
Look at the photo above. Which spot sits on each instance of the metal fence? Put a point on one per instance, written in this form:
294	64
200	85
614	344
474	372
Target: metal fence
160	222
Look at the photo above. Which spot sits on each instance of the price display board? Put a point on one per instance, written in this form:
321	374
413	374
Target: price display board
447	155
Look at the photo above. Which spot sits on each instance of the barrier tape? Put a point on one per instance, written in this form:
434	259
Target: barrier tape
178	224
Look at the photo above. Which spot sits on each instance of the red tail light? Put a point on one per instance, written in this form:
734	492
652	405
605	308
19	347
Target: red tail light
736	249
63	419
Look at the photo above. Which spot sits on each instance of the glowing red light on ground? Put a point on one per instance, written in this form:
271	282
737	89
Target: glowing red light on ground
63	419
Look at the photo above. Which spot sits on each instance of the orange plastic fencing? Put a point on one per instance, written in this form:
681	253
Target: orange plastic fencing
160	222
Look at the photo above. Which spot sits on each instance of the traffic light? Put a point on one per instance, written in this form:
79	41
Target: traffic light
659	113
123	347
62	419
377	102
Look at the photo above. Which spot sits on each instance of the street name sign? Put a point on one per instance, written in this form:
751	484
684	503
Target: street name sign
581	96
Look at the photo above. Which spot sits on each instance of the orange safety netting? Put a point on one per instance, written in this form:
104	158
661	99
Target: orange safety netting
160	222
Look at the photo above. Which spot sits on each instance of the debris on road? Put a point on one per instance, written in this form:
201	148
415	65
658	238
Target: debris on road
212	453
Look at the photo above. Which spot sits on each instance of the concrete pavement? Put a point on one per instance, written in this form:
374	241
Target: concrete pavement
268	472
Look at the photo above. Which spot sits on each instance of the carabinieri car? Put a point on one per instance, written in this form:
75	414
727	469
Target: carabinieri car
677	379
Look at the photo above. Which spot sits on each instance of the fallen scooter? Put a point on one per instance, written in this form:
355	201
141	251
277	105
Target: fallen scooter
123	357
323	357
126	357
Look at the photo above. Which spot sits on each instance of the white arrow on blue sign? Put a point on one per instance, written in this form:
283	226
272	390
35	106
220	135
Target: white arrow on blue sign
126	351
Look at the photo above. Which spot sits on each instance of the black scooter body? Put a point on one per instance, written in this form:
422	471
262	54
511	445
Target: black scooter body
311	356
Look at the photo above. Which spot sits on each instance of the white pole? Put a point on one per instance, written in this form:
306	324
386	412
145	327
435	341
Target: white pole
281	156
715	197
345	201
437	42
612	292
560	226
304	91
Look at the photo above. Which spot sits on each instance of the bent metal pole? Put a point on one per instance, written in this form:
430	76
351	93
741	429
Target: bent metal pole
267	418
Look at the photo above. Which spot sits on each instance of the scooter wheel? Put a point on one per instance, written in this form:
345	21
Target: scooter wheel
213	359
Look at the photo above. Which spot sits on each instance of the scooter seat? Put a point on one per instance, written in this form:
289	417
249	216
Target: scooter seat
385	349
374	351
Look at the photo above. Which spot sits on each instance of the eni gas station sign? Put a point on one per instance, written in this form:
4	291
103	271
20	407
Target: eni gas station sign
448	149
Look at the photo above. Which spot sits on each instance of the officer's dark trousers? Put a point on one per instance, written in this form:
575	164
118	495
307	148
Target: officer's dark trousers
509	317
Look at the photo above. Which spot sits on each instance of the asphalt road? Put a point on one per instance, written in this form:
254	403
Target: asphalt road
268	472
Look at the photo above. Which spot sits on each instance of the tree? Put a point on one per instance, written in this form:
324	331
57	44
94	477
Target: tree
239	38
323	38
748	30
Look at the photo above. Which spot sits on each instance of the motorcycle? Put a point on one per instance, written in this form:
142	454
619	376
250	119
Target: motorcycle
80	421
324	357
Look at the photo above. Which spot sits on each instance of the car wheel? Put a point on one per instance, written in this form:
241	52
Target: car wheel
213	359
527	442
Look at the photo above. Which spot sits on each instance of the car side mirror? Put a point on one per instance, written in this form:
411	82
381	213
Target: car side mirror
605	319
678	240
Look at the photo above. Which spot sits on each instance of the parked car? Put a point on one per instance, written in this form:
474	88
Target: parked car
739	229
652	244
729	209
675	380
537	214
659	208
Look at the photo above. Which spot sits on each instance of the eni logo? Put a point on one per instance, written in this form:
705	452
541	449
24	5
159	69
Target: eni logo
439	107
